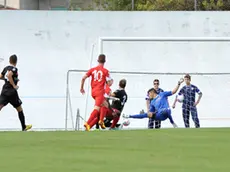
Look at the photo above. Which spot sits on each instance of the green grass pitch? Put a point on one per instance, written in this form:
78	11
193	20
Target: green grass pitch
166	150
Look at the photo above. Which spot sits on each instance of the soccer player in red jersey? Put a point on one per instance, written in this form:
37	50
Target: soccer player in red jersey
105	108
107	87
99	75
108	91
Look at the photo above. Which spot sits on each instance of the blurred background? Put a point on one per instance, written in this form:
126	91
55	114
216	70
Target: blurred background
117	5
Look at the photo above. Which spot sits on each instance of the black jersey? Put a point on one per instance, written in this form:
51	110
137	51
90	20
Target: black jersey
121	94
5	71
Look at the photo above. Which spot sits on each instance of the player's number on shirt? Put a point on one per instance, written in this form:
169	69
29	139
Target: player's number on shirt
123	101
97	75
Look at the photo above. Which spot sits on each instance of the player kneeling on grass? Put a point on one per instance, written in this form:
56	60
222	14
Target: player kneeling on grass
119	98
159	107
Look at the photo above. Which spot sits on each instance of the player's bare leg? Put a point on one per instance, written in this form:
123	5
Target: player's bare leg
22	119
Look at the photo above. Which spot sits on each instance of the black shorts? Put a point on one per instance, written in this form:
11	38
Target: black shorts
12	98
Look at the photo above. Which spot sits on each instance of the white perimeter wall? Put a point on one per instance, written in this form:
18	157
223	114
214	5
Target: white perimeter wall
48	44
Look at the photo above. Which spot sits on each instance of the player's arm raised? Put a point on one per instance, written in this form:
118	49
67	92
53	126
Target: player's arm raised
10	78
178	86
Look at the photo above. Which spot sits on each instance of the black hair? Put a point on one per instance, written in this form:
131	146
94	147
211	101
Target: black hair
152	89
13	59
122	83
156	80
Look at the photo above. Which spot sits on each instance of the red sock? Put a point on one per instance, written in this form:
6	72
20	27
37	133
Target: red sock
103	112
93	115
93	122
115	121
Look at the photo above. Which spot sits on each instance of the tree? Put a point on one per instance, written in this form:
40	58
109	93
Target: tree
212	5
146	5
159	5
114	5
166	5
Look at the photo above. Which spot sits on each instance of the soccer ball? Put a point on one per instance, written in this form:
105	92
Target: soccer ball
180	98
126	122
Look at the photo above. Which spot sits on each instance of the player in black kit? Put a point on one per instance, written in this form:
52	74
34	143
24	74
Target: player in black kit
9	92
116	106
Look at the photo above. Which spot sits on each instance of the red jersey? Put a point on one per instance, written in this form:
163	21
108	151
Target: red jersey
99	75
107	90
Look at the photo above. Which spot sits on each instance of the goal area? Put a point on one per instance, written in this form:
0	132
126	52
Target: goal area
141	60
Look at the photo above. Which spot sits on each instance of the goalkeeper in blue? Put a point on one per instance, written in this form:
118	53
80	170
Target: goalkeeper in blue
159	106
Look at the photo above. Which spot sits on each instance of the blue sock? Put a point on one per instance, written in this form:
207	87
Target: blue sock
139	116
170	118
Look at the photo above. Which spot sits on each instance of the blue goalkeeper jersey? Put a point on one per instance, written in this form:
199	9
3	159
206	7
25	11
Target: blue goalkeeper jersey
189	93
160	102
